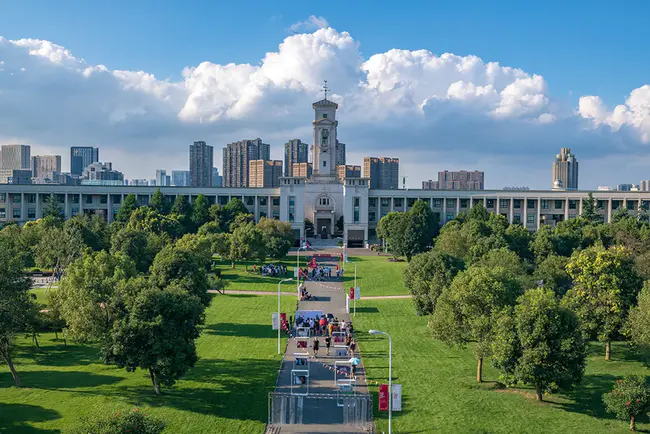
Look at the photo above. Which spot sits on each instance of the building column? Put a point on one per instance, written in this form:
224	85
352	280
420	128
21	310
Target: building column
444	210
497	206
66	206
539	212
255	210
525	222
269	208
457	205
38	206
609	210
485	202
392	204
566	209
511	217
23	207
580	207
109	209
81	204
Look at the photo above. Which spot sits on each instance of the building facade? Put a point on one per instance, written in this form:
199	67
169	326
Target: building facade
201	163
565	170
181	178
264	173
303	170
162	179
15	176
81	157
457	180
341	158
46	166
217	180
101	172
383	172
237	157
15	157
295	152
348	171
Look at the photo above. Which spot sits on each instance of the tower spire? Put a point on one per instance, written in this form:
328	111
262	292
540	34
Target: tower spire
325	88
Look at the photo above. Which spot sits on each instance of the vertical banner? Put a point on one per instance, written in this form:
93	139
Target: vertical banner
397	397
352	293
283	321
383	397
357	293
276	321
347	303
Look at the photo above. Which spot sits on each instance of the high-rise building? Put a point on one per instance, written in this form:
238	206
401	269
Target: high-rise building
15	157
15	176
217	180
459	180
162	179
201	163
180	178
302	170
295	151
565	169
264	173
644	185
46	166
340	153
81	157
383	172
237	157
430	185
347	171
102	172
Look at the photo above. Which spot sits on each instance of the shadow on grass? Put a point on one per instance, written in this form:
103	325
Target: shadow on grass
588	396
246	330
15	418
62	379
367	309
60	355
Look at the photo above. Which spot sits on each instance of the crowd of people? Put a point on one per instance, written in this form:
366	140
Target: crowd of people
326	326
271	270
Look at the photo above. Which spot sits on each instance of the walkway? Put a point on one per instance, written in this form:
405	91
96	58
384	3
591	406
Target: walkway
243	291
323	415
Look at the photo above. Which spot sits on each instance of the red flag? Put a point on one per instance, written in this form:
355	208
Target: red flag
383	397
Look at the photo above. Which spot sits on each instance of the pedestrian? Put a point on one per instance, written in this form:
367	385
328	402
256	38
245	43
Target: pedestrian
353	346
315	346
328	342
330	328
290	321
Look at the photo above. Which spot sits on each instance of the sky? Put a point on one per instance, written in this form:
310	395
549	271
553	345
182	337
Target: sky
493	86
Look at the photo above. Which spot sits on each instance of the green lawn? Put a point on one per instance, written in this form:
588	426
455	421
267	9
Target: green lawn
440	393
225	393
376	275
42	294
241	279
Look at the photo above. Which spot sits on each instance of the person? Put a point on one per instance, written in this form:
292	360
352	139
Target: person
330	328
328	342
353	346
316	345
348	341
290	321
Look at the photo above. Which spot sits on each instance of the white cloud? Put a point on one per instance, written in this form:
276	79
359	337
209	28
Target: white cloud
447	109
310	24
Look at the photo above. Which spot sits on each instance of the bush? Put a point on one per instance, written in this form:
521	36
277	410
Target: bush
133	422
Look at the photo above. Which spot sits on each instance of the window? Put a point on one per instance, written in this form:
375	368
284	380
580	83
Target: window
371	216
645	204
250	200
3	197
503	203
276	201
292	208
437	203
74	198
356	210
559	204
530	219
88	199
410	202
31	213
74	211
573	204
324	163
263	201
544	204
324	115
372	202
517	217
15	198
516	203
601	204
324	201
616	204
3	213
451	203
630	205
385	201
490	203
16	213
450	216
103	198
398	202
530	204
572	216
31	198
464	203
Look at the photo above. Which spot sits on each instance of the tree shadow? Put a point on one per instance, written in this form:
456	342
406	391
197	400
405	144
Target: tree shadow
234	329
367	309
71	355
15	418
587	397
62	379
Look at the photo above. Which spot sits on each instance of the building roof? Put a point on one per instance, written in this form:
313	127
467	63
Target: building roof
325	103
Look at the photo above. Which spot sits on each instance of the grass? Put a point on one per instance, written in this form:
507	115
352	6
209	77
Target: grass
242	280
225	393
42	294
440	393
376	275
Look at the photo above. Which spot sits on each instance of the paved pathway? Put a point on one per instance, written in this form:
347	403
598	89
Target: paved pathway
243	291
323	415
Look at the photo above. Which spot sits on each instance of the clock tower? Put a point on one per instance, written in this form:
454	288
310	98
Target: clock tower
324	144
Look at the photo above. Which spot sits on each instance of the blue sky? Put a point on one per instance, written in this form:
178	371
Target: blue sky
574	62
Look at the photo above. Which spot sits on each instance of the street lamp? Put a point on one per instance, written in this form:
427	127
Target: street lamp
298	269
390	376
280	283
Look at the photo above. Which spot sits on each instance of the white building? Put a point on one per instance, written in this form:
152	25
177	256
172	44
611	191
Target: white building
324	198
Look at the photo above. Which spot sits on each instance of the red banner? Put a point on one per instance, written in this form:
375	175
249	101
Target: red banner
283	321
351	293
383	397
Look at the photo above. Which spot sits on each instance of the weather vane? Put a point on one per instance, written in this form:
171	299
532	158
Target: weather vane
325	88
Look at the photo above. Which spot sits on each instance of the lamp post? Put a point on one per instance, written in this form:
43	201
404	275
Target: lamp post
390	377
298	269
280	283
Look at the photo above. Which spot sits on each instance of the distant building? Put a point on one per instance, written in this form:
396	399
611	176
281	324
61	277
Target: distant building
627	187
383	172
101	172
565	168
237	157
430	185
303	170
201	163
340	153
46	166
139	182
348	171
605	188
264	173
295	151
181	178
81	157
461	180
644	185
162	179
217	180
15	176
15	157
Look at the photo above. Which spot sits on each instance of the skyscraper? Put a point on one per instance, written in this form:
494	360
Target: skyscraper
340	153
201	162
162	179
295	151
237	157
303	170
46	166
458	180
180	178
383	172
565	170
81	157
217	180
347	171
15	157
265	173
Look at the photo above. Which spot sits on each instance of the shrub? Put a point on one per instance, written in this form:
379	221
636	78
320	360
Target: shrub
629	399
133	422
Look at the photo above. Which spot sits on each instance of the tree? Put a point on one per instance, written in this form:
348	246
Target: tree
424	223
589	209
519	239
540	344
93	231
200	214
211	227
157	334
149	220
52	208
551	273
605	287
245	244
629	399
386	224
128	206
58	248
465	311
638	323
340	223
15	303
158	202
427	276
231	210
277	236
309	228
181	207
140	246
89	296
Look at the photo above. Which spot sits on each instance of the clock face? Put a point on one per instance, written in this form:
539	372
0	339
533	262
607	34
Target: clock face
324	147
